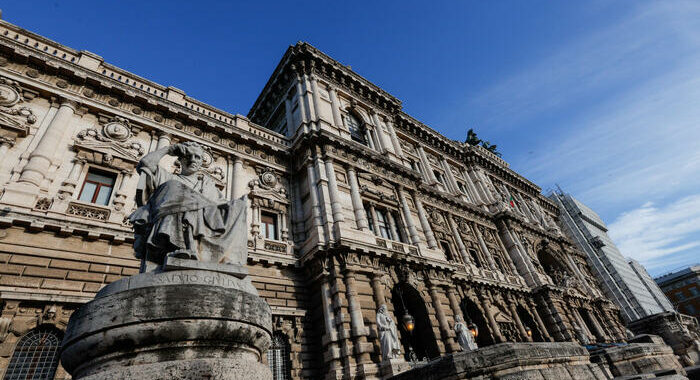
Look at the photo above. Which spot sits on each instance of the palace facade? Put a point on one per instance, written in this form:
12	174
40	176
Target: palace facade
353	204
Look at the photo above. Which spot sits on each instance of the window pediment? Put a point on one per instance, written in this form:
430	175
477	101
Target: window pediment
110	146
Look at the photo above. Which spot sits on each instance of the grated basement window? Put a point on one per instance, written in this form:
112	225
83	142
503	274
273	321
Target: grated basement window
278	357
36	356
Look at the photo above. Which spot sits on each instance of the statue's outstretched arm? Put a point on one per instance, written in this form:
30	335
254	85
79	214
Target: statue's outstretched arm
151	160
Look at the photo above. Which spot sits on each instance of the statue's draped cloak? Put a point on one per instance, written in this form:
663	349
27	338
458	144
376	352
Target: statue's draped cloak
176	205
388	338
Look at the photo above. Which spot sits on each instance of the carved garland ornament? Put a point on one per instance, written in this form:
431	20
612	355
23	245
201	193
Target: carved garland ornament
14	122
110	146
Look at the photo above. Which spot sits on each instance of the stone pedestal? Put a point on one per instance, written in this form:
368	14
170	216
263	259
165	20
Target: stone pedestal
188	324
392	367
646	354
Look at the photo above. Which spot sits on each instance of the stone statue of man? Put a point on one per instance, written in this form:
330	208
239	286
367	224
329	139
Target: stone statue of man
184	215
464	336
388	337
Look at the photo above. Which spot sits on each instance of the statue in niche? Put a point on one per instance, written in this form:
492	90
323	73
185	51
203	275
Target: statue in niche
388	337
464	336
183	215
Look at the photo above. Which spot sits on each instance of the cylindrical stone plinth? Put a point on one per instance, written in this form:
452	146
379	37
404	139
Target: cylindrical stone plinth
188	324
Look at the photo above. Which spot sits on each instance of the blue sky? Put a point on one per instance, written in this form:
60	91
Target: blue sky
600	97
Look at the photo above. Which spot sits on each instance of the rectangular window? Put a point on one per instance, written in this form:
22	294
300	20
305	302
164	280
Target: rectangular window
475	257
440	179
97	187
268	225
397	227
694	291
383	224
446	249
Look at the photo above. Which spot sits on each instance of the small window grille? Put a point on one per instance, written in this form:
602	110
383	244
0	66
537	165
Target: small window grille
278	357
36	355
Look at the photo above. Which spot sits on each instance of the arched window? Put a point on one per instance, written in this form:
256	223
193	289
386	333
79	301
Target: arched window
357	131
278	357
36	355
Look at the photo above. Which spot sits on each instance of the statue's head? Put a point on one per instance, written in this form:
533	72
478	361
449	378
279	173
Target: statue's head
383	309
458	318
191	159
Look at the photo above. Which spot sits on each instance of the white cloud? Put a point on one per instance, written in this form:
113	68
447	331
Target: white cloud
660	237
630	93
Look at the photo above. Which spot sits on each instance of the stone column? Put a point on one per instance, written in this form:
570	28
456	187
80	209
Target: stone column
450	176
335	107
454	303
378	289
40	159
310	109
485	248
336	206
458	238
375	224
384	140
70	184
492	321
324	198
485	194
446	332
328	314
426	164
393	227
542	327
473	193
412	230
303	113
357	325
394	138
120	198
315	205
597	330
514	312
427	230
315	98
237	180
356	198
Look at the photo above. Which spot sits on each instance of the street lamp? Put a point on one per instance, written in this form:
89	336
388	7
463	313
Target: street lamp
474	329
408	322
528	331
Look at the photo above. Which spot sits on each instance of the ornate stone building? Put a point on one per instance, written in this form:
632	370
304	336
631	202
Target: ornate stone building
353	204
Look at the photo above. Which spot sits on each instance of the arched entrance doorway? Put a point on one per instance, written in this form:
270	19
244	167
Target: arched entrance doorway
528	321
473	314
422	339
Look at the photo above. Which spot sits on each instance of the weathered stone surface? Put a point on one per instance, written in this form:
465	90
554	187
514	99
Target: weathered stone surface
512	361
189	323
638	358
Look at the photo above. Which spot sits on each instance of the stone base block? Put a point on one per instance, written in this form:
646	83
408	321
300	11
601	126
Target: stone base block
637	359
390	368
173	325
542	361
197	369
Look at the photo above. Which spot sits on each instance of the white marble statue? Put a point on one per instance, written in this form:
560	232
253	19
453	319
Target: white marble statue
388	337
184	215
464	336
